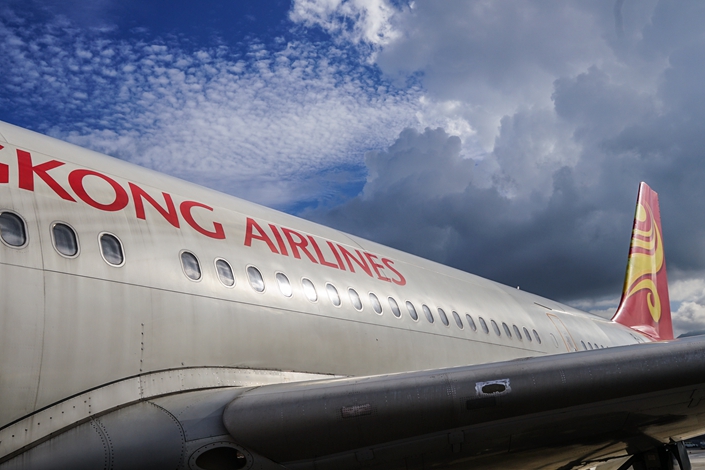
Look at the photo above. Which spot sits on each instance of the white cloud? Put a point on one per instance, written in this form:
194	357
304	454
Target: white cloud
255	125
357	21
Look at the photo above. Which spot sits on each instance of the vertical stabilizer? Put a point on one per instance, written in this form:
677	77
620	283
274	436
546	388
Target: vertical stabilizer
645	305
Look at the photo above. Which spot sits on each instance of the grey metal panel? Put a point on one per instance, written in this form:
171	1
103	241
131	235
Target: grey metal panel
199	413
143	436
81	448
637	395
21	332
59	417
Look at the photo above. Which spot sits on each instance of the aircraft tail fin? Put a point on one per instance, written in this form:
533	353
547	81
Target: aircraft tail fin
645	305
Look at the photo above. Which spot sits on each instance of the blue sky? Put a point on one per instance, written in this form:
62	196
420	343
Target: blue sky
503	138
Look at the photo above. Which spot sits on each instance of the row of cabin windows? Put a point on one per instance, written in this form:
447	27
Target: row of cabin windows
63	237
225	274
191	267
65	241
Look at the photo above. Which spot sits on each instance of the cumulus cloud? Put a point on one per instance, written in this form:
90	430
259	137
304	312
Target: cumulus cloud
356	21
574	104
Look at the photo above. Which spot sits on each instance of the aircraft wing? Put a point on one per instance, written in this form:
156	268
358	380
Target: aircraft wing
566	411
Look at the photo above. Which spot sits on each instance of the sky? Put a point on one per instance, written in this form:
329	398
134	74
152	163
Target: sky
506	139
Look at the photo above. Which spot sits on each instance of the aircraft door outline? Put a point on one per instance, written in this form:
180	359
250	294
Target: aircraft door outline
563	332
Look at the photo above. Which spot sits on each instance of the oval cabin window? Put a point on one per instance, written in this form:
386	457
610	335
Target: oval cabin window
444	317
65	240
458	321
483	324
471	322
375	303
427	312
225	272
12	230
255	278
190	265
412	311
309	290
395	307
526	334
111	249
506	330
284	285
517	333
355	299
333	294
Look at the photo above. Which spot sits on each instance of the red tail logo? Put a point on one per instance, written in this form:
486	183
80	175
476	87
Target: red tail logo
645	304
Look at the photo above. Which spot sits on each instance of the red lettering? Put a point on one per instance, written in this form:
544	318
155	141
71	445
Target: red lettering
360	262
4	171
337	256
218	233
169	213
27	171
278	237
388	263
295	246
260	235
376	266
76	183
321	258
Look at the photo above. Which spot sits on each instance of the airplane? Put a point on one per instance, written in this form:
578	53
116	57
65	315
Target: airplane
150	323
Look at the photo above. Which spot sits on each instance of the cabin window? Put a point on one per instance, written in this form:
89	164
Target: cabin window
506	330
590	345
495	327
395	307
412	311
284	284
309	290
12	230
471	322
516	332
225	272
483	324
427	312
584	346
355	299
111	249
190	265
65	240
555	341
333	294
255	278
458	321
443	316
527	335
536	335
375	303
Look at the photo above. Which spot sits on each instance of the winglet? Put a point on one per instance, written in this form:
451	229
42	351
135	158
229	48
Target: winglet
645	305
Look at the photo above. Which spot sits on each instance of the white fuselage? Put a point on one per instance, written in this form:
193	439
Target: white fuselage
72	324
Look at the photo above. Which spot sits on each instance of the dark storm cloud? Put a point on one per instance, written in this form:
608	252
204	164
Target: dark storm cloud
418	199
585	113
